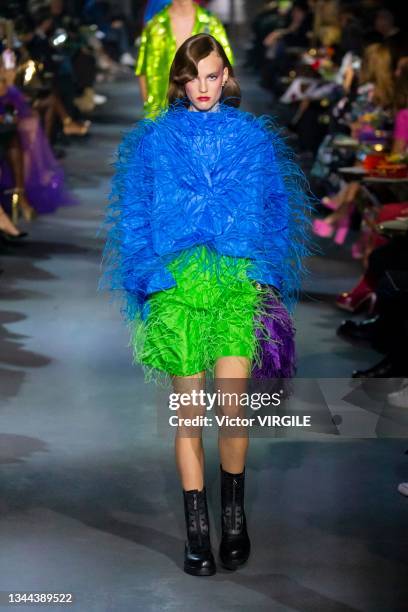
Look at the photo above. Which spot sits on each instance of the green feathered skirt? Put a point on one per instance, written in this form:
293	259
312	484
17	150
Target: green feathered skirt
207	315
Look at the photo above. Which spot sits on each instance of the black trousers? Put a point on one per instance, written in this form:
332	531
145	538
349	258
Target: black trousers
392	306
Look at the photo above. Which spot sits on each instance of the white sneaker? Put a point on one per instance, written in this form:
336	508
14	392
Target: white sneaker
399	398
99	99
127	60
403	488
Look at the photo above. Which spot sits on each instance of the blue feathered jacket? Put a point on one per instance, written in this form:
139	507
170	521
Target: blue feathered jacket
224	179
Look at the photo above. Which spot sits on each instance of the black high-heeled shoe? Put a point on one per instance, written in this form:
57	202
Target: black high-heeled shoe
386	368
11	237
364	331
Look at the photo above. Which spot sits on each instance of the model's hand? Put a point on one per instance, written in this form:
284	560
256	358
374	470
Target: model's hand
273	37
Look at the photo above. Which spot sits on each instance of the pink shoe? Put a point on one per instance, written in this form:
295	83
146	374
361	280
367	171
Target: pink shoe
356	301
322	228
356	250
325	230
329	203
343	227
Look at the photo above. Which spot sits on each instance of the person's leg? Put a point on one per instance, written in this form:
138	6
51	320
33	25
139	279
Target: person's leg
70	126
231	375
15	157
188	441
231	381
392	305
390	256
198	557
16	161
345	200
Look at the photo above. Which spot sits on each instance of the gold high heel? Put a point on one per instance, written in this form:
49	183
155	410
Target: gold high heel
73	128
27	211
14	208
29	214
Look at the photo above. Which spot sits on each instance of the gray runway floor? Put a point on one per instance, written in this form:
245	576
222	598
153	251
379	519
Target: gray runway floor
90	500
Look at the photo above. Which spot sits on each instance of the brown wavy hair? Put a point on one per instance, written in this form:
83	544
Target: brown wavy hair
376	68
184	69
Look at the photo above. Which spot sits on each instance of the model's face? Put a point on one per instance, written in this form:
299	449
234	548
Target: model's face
205	90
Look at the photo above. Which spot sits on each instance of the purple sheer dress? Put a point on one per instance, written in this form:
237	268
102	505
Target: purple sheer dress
43	176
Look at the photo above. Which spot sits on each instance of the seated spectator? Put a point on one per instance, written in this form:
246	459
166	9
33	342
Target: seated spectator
112	26
326	30
33	173
366	287
388	330
46	98
294	34
386	25
271	16
400	145
375	98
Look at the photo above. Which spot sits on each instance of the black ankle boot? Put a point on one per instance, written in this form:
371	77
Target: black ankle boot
235	544
198	558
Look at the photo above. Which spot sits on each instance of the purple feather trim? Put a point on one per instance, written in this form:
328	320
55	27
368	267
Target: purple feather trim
276	335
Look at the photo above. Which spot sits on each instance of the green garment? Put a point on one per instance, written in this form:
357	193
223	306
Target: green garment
158	48
210	313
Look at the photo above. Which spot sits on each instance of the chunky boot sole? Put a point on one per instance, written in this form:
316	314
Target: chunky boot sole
203	571
233	565
235	546
198	557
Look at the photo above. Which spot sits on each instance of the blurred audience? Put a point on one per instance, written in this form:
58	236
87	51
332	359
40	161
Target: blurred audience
335	73
337	76
52	53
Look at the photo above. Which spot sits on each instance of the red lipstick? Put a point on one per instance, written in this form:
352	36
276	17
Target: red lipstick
203	98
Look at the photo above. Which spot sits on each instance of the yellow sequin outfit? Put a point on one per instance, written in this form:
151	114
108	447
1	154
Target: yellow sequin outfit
158	48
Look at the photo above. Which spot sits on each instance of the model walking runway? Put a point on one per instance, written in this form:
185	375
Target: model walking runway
90	500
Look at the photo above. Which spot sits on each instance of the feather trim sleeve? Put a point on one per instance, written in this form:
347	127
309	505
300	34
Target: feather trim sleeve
131	267
286	217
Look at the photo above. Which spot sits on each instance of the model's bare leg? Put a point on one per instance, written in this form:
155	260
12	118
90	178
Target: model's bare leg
198	557
235	546
231	377
188	441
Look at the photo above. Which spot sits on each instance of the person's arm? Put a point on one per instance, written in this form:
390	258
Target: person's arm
132	268
285	219
141	63
143	86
